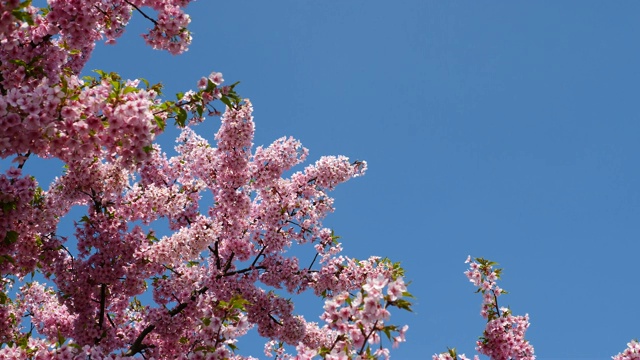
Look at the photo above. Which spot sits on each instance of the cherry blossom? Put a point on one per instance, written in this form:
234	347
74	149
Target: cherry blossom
155	268
632	352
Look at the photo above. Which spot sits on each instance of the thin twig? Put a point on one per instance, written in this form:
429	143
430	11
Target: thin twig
314	260
103	300
25	160
142	12
367	338
258	256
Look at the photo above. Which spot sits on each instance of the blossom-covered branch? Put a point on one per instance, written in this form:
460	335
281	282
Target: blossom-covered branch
156	268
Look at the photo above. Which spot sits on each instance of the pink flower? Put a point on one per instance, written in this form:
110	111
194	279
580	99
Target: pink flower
14	172
396	289
375	285
216	78
202	83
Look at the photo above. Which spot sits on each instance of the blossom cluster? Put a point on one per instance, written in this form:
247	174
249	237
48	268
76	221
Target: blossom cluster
503	337
452	355
47	110
355	323
632	352
504	334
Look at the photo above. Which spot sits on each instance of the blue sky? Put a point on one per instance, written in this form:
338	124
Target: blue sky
502	130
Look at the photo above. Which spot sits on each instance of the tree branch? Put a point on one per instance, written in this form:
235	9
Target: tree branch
103	301
373	328
26	156
259	267
138	346
142	12
258	256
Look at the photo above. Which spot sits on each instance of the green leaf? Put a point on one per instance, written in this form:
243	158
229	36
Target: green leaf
226	101
5	258
387	331
38	197
157	88
18	62
23	340
116	85
8	206
206	321
237	302
204	348
334	237
39	241
61	339
210	86
407	294
10	237
348	300
24	4
181	118
160	122
22	16
402	304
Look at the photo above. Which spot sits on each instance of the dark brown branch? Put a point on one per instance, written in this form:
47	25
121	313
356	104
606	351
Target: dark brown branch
258	256
495	299
142	12
275	320
172	270
137	345
338	338
103	301
216	253
366	339
298	225
227	266
314	260
260	267
25	160
68	252
218	337
102	11
111	321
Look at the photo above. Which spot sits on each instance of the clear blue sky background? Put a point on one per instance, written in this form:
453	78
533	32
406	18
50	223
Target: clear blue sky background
506	130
